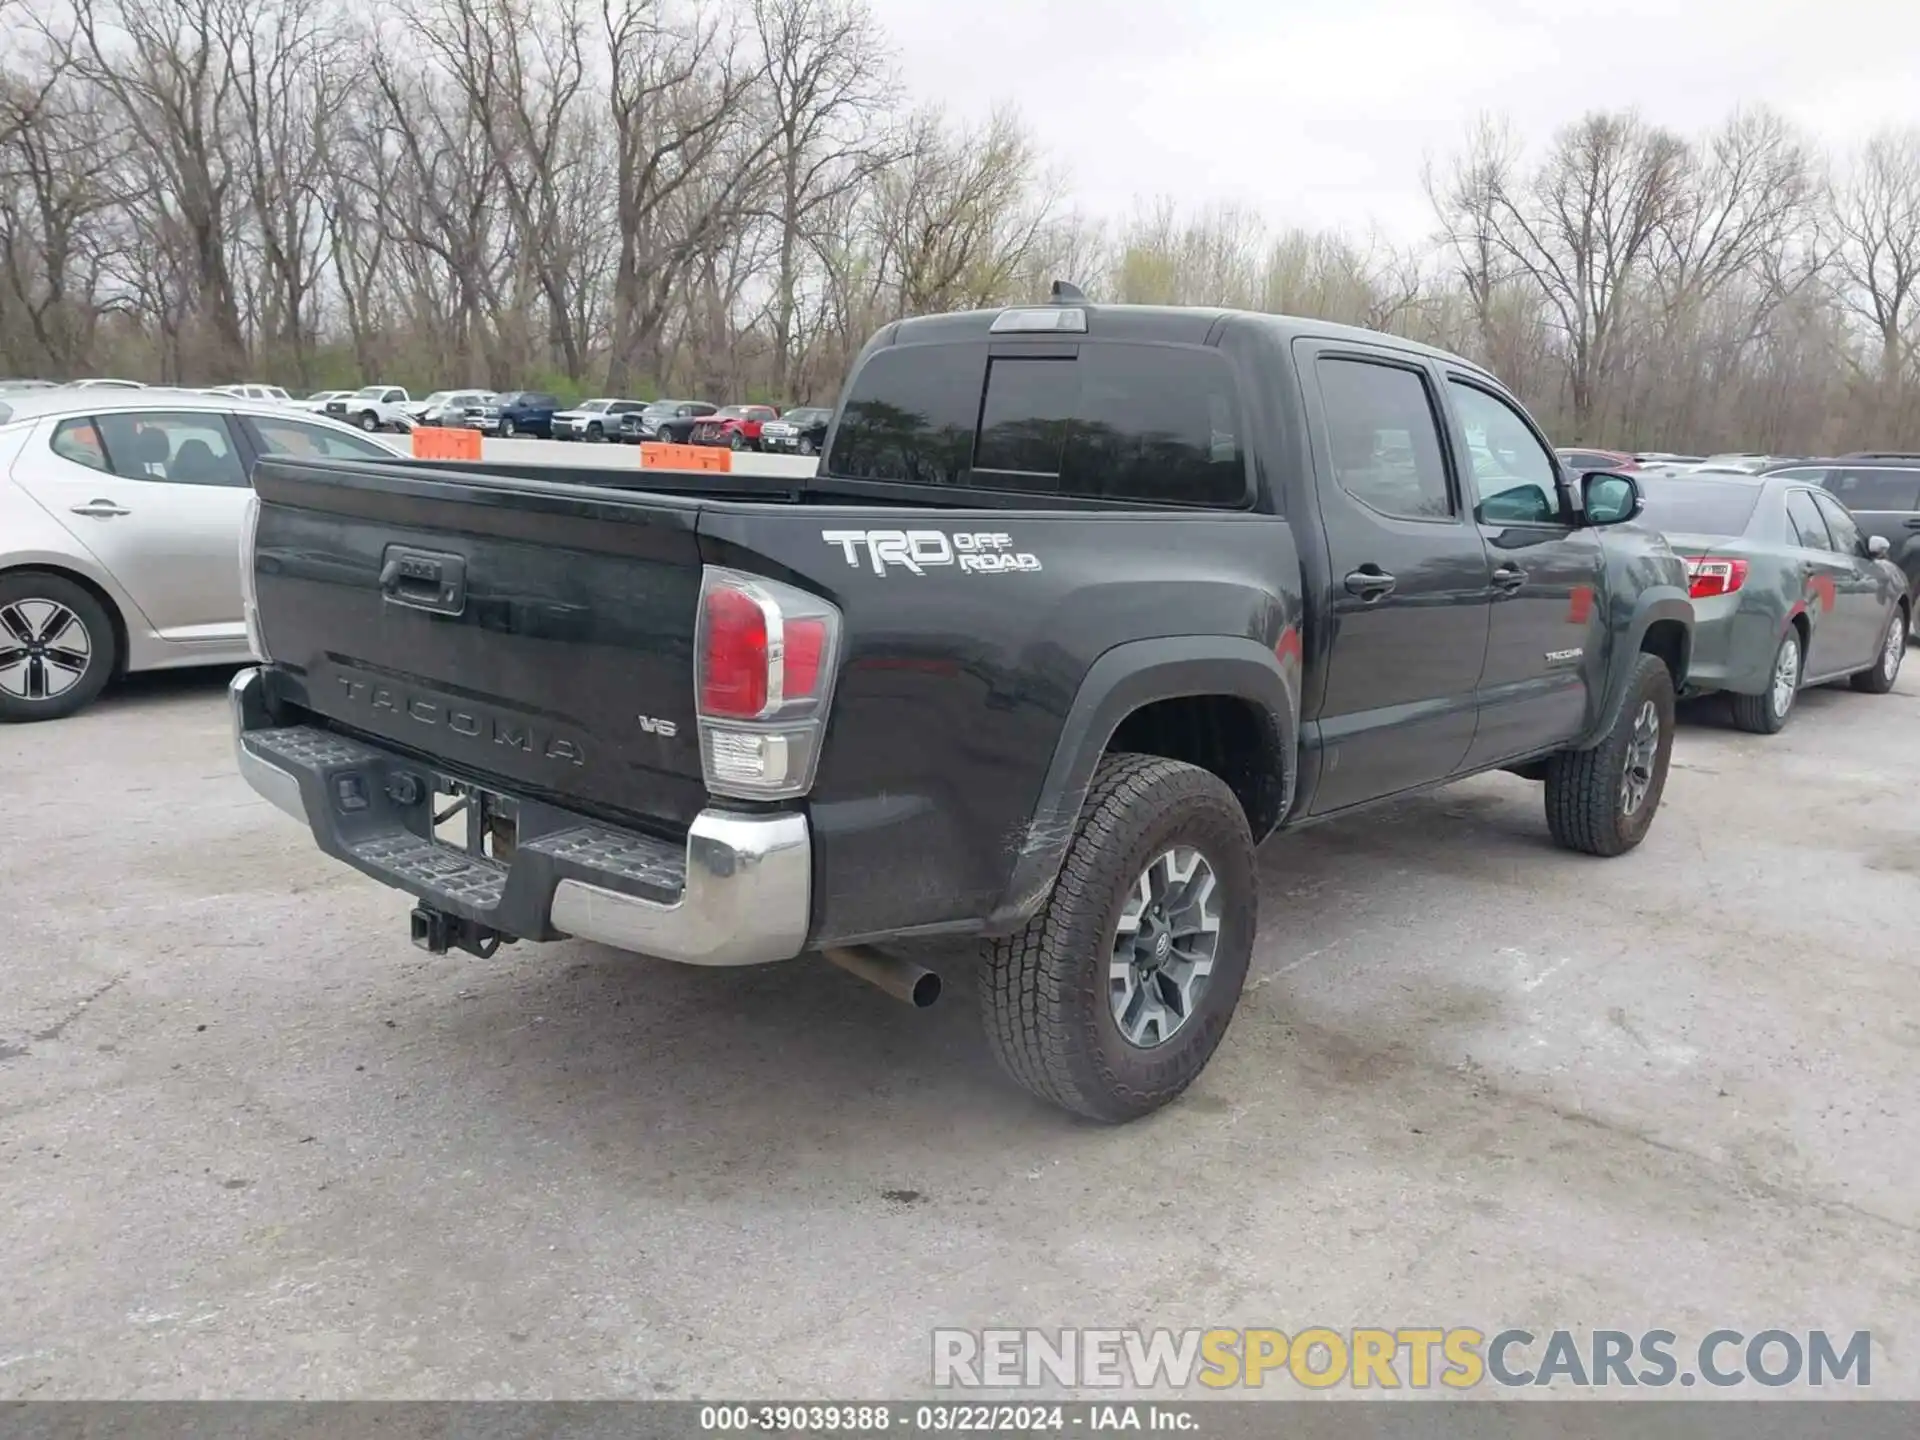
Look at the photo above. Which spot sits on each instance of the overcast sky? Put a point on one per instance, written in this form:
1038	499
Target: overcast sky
1320	112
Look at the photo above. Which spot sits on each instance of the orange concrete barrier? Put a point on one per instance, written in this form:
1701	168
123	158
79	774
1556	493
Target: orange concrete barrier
685	457
442	442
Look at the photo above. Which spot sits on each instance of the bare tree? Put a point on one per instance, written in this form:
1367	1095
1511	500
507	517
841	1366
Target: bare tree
827	86
163	67
1876	215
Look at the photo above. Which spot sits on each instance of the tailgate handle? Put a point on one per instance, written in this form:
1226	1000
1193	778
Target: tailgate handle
424	580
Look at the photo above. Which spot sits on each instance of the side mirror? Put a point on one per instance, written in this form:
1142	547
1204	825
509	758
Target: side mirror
1877	547
1609	499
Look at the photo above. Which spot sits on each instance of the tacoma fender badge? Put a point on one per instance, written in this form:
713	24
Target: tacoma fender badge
1560	657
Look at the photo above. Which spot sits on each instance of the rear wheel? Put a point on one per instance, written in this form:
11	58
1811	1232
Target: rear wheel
369	421
1766	713
1602	801
57	648
1114	996
1886	668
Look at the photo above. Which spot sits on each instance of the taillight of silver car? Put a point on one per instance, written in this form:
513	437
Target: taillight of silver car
249	593
766	657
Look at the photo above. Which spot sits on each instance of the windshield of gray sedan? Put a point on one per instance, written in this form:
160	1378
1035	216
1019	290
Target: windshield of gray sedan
1699	507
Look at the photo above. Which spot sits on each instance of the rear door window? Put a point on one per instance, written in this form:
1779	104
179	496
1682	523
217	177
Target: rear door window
186	448
1383	439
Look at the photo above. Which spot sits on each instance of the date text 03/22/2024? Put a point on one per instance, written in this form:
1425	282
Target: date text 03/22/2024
944	1418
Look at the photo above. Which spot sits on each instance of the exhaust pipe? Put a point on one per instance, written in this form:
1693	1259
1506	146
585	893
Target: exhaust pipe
902	979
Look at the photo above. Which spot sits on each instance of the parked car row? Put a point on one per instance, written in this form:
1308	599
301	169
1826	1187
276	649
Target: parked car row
1800	572
121	511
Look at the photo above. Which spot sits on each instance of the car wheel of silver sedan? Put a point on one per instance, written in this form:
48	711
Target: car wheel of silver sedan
1886	666
57	647
1766	713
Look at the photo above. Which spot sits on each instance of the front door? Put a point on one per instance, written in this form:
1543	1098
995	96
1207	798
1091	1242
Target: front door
1864	600
1547	638
1409	578
1824	573
159	499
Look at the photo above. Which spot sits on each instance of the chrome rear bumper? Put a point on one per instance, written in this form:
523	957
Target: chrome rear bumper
738	892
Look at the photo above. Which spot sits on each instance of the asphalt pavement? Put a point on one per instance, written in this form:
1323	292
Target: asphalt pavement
253	1143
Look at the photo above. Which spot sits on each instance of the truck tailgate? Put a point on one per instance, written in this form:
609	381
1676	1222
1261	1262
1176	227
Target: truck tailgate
411	605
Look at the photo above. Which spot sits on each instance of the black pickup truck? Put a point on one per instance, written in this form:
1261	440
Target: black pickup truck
1082	604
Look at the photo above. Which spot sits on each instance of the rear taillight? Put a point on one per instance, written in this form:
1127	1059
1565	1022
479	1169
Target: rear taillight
249	592
765	660
1710	575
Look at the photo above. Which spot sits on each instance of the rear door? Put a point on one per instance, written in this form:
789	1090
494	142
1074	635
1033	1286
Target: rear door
1546	643
158	497
1411	591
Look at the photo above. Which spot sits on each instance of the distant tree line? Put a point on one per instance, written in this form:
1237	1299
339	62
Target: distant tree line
724	198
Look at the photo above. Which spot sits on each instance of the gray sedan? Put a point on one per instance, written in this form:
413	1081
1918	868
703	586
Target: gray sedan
1787	592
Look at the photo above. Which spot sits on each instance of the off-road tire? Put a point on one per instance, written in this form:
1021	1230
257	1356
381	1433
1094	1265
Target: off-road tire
1878	678
31	585
1043	994
1585	810
1757	714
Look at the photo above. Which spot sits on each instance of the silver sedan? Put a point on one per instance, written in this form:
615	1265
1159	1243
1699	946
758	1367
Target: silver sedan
120	518
1787	591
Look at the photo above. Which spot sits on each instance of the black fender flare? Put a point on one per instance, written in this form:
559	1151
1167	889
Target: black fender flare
1122	680
1652	606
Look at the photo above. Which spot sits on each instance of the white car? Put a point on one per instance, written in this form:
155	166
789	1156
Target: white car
255	391
373	407
317	402
120	520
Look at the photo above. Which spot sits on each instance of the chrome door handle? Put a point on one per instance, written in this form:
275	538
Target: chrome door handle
102	509
1509	578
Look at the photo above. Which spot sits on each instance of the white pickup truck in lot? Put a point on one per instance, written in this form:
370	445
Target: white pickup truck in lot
374	407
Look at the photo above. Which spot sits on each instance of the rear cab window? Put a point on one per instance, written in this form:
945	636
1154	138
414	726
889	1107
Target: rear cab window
1114	420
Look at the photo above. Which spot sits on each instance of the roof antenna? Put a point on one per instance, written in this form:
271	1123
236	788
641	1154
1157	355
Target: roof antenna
1067	293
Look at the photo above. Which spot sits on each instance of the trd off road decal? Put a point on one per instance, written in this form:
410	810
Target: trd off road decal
917	551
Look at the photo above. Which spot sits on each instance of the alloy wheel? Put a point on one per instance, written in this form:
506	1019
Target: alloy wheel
1786	677
44	649
1164	947
1896	648
1643	750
